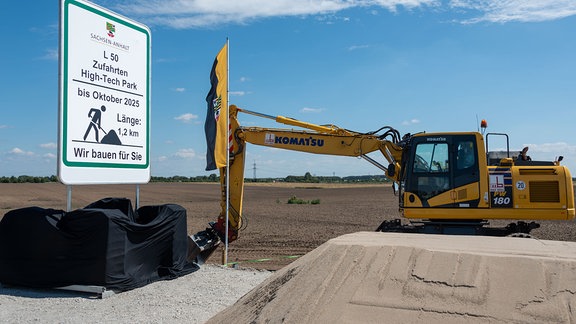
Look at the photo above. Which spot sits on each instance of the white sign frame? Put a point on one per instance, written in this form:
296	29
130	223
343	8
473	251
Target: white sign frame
104	103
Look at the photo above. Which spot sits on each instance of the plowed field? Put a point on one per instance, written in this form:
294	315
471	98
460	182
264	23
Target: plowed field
275	232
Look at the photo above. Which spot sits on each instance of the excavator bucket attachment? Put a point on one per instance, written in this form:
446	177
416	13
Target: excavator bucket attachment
201	245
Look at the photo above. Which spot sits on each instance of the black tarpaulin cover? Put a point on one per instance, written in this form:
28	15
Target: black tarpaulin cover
106	243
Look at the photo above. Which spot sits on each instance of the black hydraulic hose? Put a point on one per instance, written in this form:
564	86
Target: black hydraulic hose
239	142
390	132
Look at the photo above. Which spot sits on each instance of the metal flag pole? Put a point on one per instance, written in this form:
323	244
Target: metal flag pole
228	151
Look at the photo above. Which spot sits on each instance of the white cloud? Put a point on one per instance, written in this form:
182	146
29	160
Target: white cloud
49	145
18	151
183	14
185	153
49	156
180	89
357	47
411	122
559	148
516	10
3	126
311	110
50	54
186	118
237	93
244	79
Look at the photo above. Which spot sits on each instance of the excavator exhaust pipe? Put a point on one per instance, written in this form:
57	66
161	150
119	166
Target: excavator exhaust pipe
202	244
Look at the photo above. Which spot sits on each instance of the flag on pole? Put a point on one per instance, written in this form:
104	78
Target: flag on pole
216	125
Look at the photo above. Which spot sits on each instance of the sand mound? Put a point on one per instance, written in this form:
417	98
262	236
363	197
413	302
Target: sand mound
370	277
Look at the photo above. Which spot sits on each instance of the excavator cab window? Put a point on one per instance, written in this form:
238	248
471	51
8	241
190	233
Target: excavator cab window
466	157
431	169
467	170
431	157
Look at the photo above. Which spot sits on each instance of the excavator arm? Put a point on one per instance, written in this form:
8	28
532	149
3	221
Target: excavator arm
310	138
319	139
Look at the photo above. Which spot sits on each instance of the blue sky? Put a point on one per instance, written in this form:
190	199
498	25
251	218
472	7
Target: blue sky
415	65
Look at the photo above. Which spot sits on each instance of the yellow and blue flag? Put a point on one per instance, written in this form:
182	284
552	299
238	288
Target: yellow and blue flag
216	118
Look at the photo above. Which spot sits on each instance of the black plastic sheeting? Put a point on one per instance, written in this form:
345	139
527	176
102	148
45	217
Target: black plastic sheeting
106	243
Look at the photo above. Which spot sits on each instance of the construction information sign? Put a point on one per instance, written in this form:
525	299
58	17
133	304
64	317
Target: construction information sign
104	128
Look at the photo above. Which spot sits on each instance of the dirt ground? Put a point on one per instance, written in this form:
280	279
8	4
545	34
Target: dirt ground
275	233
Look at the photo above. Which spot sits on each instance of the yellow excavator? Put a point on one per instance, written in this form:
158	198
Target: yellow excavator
447	183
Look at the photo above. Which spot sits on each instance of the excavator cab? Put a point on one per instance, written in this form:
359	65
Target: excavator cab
442	170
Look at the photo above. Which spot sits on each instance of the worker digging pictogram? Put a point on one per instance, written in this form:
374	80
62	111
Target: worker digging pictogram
95	124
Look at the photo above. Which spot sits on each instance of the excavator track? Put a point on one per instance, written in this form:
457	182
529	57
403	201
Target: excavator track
451	227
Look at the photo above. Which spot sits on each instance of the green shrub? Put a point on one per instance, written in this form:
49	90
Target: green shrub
294	200
298	201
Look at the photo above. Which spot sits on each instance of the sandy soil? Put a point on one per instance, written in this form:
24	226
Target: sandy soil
369	277
276	233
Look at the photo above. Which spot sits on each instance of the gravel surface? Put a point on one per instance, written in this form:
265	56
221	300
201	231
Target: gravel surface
193	298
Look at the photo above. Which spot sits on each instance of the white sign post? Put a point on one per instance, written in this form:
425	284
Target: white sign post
104	119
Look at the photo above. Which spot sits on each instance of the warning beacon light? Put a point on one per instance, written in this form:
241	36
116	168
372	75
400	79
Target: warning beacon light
483	125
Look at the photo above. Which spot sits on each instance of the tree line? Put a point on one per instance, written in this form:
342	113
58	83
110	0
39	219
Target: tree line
306	178
28	179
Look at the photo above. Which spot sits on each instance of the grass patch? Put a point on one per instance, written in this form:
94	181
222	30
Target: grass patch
298	201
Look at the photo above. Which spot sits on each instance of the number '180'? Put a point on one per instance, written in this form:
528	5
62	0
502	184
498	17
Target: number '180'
501	200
